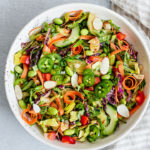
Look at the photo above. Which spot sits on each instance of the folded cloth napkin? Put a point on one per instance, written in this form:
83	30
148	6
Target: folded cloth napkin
136	12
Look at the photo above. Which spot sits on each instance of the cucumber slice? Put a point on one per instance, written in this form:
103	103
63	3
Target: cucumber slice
103	117
90	23
73	37
110	128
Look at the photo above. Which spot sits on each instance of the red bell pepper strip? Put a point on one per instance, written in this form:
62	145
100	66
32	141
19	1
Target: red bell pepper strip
68	139
121	36
84	120
90	88
25	59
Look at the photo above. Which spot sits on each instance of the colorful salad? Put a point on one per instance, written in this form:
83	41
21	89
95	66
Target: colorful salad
77	78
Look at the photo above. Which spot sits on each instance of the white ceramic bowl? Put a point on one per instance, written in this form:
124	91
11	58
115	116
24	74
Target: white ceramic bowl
132	36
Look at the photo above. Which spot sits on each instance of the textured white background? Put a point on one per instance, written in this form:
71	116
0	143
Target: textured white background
14	14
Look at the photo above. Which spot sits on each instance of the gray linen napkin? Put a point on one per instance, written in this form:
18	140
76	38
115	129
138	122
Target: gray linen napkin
136	12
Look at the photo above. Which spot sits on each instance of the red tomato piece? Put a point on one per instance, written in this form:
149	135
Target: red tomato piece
140	97
84	120
94	58
121	36
115	70
90	88
68	139
25	59
47	76
51	135
97	80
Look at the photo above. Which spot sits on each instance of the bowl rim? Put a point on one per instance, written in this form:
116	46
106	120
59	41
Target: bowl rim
120	18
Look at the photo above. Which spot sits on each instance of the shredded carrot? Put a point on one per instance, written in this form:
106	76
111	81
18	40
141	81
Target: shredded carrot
86	37
113	46
40	38
36	28
25	71
53	105
95	58
125	45
132	111
89	66
58	102
121	70
71	94
40	77
56	38
46	49
67	84
33	116
116	94
118	57
129	80
69	97
116	52
36	81
76	50
60	131
119	116
74	15
80	79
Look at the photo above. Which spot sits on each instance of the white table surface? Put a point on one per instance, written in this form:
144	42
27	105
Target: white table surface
14	14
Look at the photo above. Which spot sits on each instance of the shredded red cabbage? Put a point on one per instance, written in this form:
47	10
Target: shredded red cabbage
111	96
104	103
64	52
34	57
47	37
88	61
133	53
61	86
129	96
120	87
72	123
96	54
102	44
23	45
29	50
39	96
87	109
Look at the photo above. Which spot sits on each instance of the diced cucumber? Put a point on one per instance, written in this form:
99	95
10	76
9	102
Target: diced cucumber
49	122
73	37
69	132
73	116
110	128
